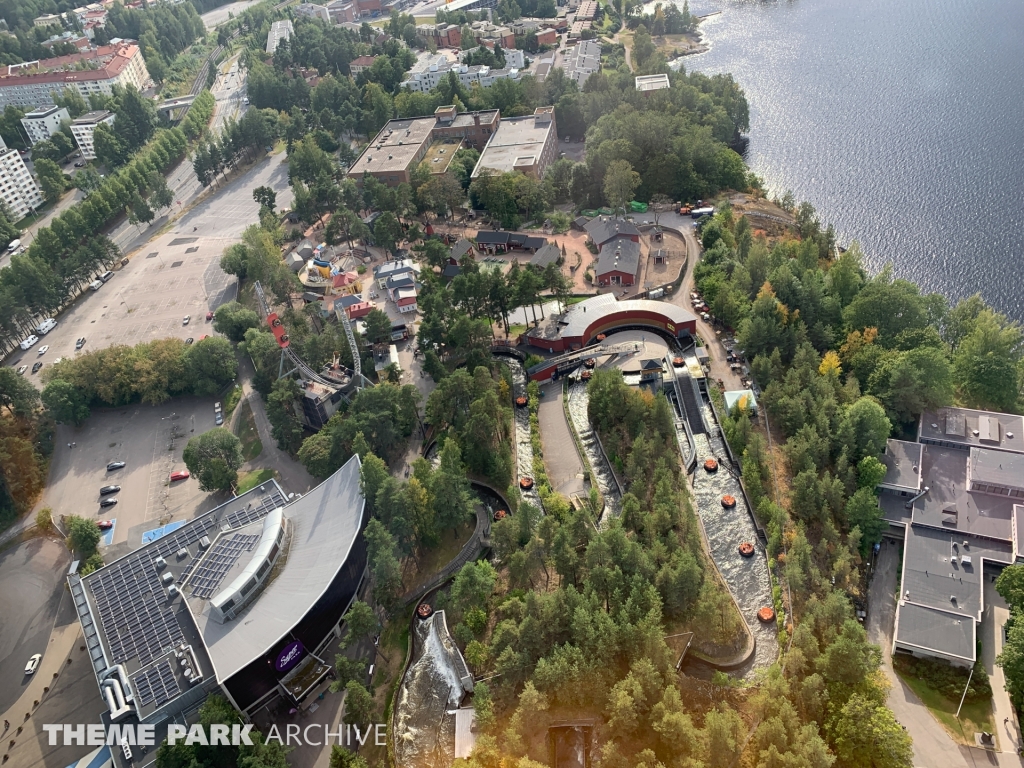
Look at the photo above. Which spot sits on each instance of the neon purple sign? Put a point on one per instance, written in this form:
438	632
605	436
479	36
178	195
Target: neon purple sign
289	656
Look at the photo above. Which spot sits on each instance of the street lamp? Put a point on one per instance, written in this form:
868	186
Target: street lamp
123	301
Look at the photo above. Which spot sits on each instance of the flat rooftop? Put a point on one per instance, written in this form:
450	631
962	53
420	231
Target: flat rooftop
92	118
935	630
948	504
440	153
518	142
127	616
395	147
902	462
646	83
966	427
1000	468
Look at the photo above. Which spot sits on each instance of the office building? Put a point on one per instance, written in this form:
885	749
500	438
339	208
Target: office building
84	127
403	144
525	144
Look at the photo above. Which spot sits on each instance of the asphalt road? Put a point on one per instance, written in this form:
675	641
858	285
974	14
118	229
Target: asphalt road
32	575
932	745
218	16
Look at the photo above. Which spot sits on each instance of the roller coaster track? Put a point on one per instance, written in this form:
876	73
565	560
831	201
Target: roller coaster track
300	365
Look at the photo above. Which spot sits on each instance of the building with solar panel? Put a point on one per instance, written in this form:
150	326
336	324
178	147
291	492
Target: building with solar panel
243	600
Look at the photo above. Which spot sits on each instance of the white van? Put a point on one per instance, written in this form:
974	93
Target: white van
15	245
105	276
95	285
46	326
29	342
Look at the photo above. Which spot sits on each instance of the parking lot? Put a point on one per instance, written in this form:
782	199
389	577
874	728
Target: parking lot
150	439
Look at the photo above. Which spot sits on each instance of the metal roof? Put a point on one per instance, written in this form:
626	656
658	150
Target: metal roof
604	228
619	255
324	525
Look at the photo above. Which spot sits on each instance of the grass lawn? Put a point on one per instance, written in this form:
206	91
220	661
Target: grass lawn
231	401
245	428
249	480
433	560
576	300
974	717
515	329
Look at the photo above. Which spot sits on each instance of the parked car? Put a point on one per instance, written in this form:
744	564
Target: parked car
36	367
216	407
186	319
33	664
43	349
189	340
22	369
105	525
209	316
115	465
181	474
79	165
108	503
106	490
80	343
218	418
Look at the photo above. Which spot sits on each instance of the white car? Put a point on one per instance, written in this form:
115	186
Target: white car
43	349
22	369
33	664
186	319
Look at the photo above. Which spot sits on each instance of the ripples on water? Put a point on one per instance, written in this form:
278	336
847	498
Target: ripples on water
902	123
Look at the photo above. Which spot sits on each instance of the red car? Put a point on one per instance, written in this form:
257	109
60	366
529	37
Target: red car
105	525
209	315
181	474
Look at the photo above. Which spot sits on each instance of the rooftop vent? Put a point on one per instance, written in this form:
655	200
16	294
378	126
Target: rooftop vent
172	591
159	563
204	542
1010	435
167	578
183	552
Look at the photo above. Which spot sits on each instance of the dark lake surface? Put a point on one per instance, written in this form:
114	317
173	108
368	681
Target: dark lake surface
901	122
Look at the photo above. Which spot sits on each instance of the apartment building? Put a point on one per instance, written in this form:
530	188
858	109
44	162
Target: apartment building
313	11
42	123
84	127
428	78
33	83
17	187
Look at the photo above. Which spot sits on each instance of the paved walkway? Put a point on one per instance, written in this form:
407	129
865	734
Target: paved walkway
562	460
992	621
294	476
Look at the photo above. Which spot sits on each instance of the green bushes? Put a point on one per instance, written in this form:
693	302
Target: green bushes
943	677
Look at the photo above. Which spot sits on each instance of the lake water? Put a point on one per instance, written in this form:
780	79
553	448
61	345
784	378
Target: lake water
901	122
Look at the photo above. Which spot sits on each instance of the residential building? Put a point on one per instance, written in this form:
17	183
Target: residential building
360	64
48	19
956	498
581	61
587	11
95	71
279	30
17	187
403	144
423	80
443	35
526	144
649	83
493	37
545	256
313	11
84	127
42	123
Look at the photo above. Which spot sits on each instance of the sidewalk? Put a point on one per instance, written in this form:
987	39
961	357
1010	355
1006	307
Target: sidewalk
994	618
562	460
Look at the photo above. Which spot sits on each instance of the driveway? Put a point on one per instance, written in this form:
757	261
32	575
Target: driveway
933	748
992	622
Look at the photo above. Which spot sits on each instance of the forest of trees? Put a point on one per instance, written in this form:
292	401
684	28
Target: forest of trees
26	441
64	255
150	372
